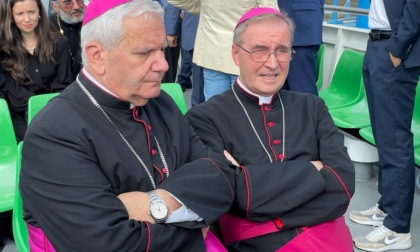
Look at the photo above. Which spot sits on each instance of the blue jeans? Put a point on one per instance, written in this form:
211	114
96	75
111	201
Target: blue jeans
184	76
216	82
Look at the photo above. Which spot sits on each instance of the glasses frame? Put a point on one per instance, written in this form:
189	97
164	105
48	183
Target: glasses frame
69	4
292	52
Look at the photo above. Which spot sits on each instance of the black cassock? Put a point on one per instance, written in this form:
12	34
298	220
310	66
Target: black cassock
72	33
292	190
75	164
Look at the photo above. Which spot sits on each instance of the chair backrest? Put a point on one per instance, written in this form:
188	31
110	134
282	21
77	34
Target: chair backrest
348	73
416	114
37	102
175	91
7	158
320	67
20	232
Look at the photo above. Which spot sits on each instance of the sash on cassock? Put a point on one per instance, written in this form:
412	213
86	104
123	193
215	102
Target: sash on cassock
38	242
328	236
213	244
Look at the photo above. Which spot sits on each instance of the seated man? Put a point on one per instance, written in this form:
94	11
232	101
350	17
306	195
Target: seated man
109	150
294	174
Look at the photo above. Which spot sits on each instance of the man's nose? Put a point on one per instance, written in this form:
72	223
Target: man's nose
272	60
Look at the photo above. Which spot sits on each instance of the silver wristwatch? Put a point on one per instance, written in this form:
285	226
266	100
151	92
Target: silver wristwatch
158	208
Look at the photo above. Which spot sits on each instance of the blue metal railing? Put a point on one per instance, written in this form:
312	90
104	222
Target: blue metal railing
357	18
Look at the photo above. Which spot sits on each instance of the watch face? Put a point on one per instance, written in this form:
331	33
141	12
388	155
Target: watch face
159	210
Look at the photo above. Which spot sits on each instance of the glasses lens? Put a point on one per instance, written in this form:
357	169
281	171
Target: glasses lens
260	56
264	55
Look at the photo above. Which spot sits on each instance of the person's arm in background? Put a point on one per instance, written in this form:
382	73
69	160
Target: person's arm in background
173	23
191	6
406	33
63	76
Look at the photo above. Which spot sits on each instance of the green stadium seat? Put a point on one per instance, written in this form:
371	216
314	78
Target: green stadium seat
367	134
320	67
345	88
175	91
415	125
37	102
354	116
417	156
20	232
8	154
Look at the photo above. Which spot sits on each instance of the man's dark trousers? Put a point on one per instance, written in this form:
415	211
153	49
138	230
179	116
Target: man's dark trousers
391	93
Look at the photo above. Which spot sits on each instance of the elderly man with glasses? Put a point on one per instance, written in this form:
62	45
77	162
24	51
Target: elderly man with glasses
294	178
67	19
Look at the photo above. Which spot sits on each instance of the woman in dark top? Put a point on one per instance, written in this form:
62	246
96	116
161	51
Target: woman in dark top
35	58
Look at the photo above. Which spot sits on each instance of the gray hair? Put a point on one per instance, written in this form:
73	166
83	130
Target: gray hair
107	28
239	30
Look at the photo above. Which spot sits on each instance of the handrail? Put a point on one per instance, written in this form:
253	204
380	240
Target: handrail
351	10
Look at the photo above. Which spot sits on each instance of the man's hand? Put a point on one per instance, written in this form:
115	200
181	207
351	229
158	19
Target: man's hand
230	158
172	40
137	204
395	61
318	164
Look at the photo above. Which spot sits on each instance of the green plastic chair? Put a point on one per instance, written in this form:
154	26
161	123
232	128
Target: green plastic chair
37	102
175	91
8	149
20	232
415	125
367	134
345	88
320	67
417	156
354	116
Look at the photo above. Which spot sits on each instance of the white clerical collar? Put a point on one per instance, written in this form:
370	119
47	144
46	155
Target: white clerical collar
262	99
99	85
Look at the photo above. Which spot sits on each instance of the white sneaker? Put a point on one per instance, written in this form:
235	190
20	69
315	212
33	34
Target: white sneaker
373	216
383	239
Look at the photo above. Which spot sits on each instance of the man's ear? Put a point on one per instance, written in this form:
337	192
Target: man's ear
95	56
235	56
55	7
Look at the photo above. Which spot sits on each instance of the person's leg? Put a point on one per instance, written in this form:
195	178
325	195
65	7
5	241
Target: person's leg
174	51
168	77
394	141
216	82
197	95
374	215
5	227
391	91
184	76
302	73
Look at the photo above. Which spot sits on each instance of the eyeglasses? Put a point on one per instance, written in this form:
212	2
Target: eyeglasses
69	3
282	54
